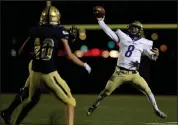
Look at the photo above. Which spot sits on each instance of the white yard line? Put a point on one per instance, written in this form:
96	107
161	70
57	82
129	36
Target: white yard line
172	122
120	122
165	123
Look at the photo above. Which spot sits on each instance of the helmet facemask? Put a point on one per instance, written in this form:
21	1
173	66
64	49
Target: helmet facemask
135	29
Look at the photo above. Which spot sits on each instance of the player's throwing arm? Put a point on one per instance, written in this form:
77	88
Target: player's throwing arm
100	16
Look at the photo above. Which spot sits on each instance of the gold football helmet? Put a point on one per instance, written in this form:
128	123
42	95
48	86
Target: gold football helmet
136	29
50	15
136	23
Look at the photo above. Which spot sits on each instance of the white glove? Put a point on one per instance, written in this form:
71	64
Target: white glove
87	67
101	18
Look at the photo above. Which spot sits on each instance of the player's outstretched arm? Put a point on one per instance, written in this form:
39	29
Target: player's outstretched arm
107	30
73	58
99	13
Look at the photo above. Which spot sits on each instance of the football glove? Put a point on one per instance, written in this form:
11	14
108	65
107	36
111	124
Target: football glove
73	33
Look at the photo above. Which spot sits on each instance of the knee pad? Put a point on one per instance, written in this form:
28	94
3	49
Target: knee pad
71	101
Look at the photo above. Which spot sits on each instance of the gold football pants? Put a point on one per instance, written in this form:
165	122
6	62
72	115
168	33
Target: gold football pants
120	77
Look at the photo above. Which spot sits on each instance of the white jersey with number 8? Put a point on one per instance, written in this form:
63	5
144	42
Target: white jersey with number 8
130	50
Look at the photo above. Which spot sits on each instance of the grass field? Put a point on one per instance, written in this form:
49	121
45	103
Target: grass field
114	110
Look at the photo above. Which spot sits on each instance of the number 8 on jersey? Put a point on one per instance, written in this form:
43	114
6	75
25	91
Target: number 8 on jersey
129	51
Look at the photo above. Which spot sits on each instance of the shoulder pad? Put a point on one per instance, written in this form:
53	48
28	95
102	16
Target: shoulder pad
147	42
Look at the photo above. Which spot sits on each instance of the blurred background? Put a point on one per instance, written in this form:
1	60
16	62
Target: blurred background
93	45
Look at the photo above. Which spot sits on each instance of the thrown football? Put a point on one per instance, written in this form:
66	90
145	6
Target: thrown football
99	11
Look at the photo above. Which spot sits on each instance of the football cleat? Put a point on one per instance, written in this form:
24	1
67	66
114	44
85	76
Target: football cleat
6	117
161	114
90	110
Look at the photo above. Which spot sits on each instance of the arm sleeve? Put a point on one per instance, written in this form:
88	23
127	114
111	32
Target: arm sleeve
64	34
108	31
147	51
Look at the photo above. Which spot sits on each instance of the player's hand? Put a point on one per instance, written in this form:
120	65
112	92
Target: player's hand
73	33
156	51
100	18
87	67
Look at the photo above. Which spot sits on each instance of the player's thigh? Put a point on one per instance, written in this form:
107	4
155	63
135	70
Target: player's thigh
59	88
27	83
34	80
140	83
114	82
30	67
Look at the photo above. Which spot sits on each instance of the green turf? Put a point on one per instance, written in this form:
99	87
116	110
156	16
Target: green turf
114	110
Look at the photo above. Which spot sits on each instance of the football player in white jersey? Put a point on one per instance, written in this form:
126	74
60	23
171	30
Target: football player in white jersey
132	46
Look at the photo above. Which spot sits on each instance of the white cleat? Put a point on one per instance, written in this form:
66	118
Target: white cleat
161	114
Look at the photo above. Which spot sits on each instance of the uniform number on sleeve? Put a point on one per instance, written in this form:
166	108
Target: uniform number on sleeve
129	51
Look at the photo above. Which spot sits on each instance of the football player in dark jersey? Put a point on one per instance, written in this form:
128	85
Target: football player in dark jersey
45	40
23	91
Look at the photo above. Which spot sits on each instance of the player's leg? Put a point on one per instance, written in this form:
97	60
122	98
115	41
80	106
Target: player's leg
33	98
141	84
20	96
114	82
61	90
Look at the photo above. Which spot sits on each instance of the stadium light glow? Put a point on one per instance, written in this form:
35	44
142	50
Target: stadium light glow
163	48
114	54
78	53
154	36
111	44
105	54
82	36
95	52
87	53
13	52
83	48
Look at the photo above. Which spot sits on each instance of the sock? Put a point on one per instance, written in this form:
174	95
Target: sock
152	100
15	103
17	100
26	108
23	112
101	96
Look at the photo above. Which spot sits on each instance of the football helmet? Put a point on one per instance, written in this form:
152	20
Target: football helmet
135	29
50	15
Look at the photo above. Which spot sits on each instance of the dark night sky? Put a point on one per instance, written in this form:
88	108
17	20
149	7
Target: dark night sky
18	17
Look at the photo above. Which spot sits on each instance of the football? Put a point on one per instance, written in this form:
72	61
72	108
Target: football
99	11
